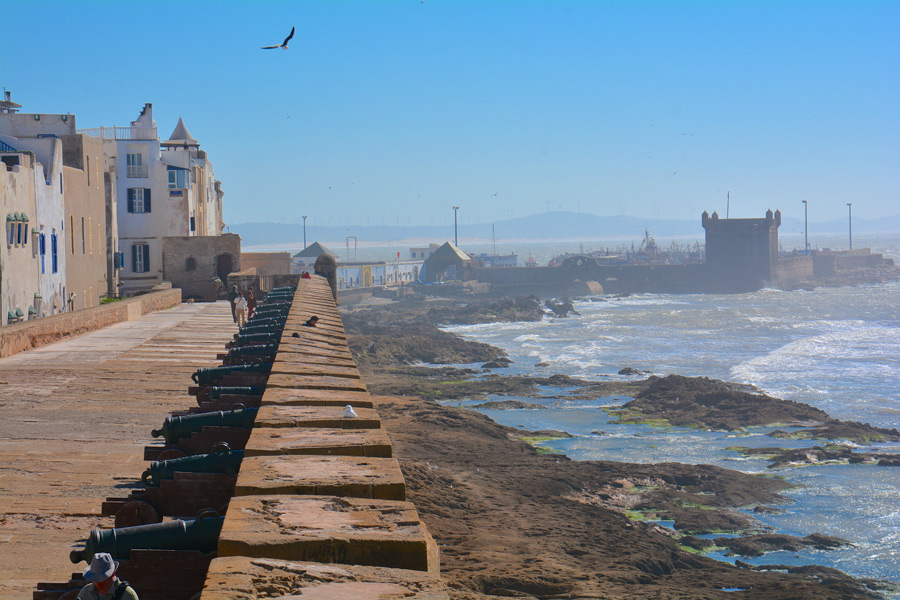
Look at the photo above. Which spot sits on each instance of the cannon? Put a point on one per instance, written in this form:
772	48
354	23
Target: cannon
246	339
200	534
253	350
209	376
216	392
175	428
221	460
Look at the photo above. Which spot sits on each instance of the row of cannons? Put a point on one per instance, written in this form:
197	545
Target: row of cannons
279	482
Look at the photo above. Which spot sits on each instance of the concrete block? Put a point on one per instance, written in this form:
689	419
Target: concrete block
316	416
242	578
376	533
354	476
269	441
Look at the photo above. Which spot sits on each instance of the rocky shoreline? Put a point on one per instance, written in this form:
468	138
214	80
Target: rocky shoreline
468	475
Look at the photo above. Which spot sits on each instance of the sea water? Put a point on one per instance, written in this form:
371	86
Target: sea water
837	349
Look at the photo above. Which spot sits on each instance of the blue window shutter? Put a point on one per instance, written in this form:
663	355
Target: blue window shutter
134	251
146	250
131	200
146	200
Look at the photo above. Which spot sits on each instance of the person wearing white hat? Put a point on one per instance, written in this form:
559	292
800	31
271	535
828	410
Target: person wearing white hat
104	585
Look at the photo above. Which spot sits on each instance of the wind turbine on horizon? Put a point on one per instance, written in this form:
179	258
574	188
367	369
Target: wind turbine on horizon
283	45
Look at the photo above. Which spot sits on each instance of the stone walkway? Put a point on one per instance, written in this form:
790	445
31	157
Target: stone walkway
74	418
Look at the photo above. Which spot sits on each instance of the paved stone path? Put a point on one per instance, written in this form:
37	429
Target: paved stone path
74	418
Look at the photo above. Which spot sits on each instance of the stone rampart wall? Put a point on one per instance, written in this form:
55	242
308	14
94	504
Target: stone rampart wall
33	334
319	501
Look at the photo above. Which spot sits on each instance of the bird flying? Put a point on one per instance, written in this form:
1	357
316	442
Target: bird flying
283	45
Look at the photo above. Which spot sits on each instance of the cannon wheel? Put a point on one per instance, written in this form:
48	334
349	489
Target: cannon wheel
171	453
137	512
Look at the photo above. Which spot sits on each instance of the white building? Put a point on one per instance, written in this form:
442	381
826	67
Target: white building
164	189
32	149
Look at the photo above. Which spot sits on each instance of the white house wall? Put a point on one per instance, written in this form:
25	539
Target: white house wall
19	264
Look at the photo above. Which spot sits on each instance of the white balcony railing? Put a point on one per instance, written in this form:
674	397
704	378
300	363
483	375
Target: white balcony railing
137	171
122	133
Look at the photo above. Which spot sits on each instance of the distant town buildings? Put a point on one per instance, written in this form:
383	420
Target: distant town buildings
86	211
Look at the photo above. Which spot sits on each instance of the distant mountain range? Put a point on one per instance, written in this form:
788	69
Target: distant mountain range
558	225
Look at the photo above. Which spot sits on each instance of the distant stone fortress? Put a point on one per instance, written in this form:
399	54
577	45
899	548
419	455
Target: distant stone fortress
741	256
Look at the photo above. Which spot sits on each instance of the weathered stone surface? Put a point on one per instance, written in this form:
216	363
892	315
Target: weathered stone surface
379	533
240	578
287	396
354	476
284	380
316	416
268	441
287	367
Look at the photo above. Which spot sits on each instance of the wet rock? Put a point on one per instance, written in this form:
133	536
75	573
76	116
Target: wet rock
629	371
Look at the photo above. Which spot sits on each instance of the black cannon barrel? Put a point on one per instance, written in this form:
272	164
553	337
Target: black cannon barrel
254	338
175	428
200	534
212	374
215	392
221	460
253	350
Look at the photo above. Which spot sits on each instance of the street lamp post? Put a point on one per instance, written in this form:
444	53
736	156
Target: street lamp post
850	222
455	228
805	225
304	232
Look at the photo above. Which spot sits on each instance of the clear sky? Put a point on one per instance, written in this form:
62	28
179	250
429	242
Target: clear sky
394	111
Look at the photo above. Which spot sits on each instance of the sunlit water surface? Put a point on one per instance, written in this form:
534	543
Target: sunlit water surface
837	349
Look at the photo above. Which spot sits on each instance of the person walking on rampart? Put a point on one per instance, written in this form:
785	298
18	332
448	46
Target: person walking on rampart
240	309
104	585
232	296
251	303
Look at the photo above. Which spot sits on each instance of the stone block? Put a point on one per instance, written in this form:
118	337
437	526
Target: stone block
316	416
314	382
269	441
376	533
241	578
354	476
288	396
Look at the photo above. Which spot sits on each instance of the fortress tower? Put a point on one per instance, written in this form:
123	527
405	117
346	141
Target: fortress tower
741	254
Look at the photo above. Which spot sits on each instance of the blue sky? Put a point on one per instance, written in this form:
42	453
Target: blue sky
394	111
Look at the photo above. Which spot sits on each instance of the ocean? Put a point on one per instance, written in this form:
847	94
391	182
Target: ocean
837	349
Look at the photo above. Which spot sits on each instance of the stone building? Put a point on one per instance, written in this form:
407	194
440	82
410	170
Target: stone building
163	189
32	153
200	265
90	214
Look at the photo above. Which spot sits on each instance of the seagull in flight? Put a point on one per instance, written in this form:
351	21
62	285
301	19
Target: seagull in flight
284	44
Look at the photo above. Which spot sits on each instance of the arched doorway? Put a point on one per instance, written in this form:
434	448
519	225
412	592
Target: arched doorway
224	266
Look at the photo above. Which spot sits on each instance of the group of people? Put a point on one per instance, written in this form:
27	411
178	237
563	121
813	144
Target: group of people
242	306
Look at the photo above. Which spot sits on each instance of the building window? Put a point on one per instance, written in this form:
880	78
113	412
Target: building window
82	235
88	170
72	228
18	234
190	264
138	200
11	234
178	178
135	166
54	262
140	258
43	244
90	235
193	224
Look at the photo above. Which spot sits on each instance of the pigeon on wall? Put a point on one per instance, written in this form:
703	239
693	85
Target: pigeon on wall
284	44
